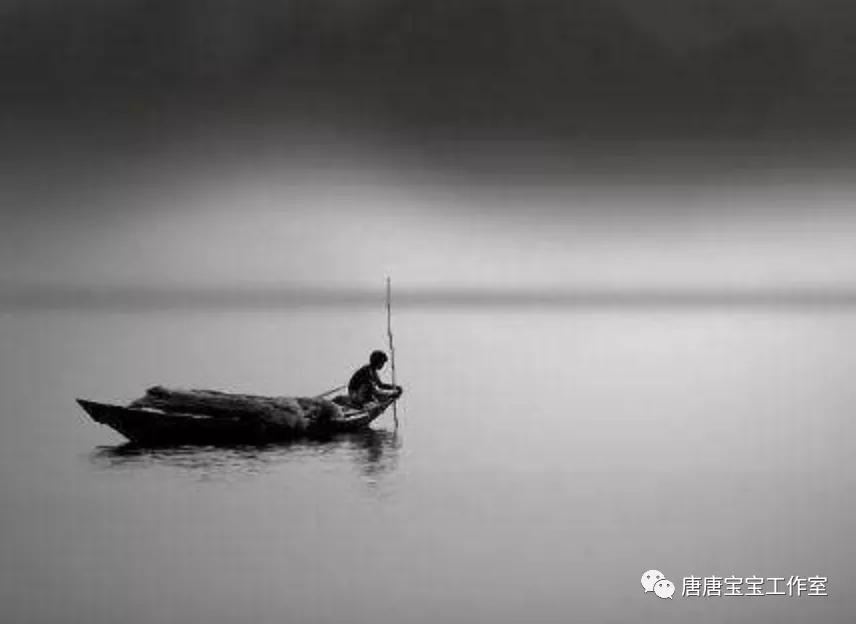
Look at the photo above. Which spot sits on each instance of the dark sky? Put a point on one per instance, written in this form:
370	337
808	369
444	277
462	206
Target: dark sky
546	68
556	142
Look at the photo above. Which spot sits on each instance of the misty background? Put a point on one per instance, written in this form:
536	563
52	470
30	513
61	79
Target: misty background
593	144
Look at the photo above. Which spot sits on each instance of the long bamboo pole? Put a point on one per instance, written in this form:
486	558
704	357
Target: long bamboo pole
389	335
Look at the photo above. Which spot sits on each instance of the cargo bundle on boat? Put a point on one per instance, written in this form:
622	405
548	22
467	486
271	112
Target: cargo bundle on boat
173	416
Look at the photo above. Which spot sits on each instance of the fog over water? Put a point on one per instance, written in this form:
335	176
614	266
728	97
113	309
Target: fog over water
343	229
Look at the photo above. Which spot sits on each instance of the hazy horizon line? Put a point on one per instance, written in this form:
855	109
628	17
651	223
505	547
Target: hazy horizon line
173	298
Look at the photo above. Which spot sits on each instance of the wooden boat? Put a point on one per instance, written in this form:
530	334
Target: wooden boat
153	426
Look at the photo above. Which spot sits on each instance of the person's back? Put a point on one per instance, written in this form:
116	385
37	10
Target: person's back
363	376
365	385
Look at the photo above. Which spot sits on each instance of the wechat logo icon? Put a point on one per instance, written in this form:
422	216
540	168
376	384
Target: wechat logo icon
655	581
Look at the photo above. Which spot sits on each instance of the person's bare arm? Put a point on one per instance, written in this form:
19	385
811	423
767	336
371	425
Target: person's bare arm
384	386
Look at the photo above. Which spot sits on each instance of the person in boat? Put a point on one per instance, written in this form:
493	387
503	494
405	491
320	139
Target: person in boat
366	386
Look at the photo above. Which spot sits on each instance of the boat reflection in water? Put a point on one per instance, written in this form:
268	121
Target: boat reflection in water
373	452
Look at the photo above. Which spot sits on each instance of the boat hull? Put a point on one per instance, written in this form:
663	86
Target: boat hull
156	428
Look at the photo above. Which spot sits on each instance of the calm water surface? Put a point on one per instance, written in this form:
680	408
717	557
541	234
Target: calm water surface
544	461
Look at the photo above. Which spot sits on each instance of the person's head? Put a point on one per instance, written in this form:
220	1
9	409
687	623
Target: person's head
377	359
